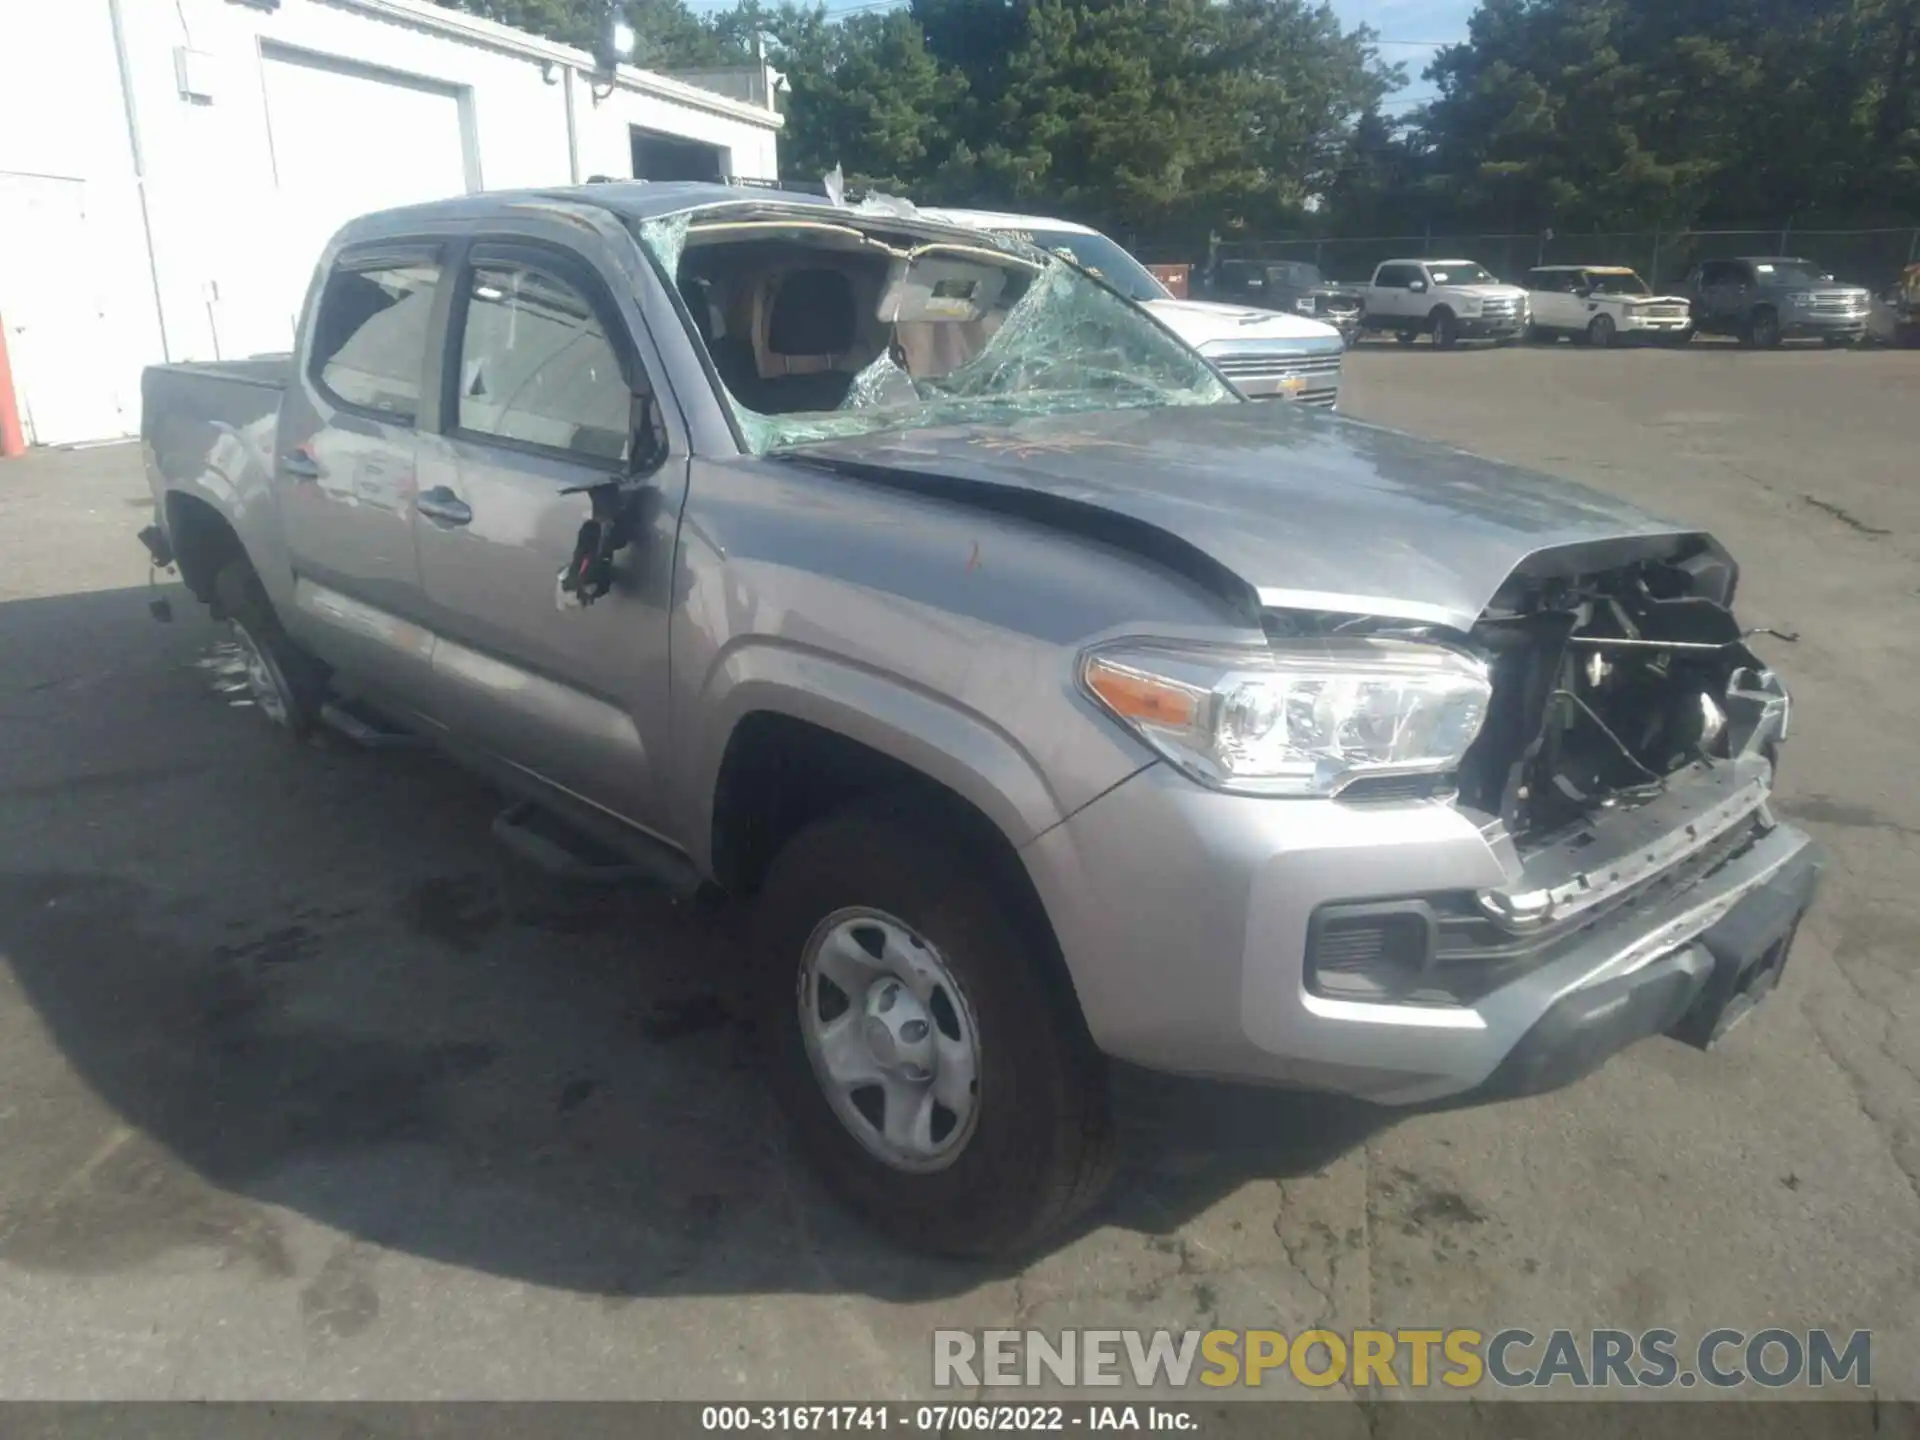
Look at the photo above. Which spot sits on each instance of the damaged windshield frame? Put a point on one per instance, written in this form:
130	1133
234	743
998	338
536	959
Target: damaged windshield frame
663	241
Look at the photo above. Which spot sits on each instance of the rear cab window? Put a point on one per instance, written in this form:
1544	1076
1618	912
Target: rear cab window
370	333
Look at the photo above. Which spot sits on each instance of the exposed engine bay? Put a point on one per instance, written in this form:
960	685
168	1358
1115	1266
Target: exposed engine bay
1604	686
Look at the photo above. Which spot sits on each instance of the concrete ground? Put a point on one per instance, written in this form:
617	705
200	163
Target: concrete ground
306	1090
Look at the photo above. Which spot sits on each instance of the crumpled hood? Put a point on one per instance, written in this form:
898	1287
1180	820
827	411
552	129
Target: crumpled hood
1309	511
1202	322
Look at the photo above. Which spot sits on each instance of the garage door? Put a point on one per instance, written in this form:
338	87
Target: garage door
347	140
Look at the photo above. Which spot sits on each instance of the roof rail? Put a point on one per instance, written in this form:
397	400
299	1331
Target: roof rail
793	187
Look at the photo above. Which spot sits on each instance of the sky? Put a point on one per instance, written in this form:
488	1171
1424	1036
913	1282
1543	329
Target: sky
1409	31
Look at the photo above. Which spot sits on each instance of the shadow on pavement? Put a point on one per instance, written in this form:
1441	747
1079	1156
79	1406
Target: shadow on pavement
286	978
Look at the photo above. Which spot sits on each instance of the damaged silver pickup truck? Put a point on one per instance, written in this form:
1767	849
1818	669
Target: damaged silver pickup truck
1049	702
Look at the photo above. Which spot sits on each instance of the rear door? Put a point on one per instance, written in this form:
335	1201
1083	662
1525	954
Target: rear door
346	471
547	394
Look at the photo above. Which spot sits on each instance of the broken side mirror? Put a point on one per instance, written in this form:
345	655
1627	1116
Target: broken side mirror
623	506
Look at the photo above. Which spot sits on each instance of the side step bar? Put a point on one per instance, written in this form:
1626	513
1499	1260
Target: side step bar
365	730
570	847
567	841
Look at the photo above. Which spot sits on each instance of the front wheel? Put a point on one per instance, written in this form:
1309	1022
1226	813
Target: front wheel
926	1045
1446	329
1762	330
285	683
1600	334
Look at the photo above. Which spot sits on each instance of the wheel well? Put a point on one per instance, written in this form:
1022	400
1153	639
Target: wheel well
203	541
780	774
1433	315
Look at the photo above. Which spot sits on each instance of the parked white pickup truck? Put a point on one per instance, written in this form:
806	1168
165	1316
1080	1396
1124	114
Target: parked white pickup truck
1451	300
1603	305
1267	355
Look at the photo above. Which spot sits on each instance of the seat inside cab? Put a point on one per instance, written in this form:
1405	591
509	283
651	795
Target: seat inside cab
794	311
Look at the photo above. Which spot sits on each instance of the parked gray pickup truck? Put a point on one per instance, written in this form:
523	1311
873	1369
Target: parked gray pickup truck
1049	702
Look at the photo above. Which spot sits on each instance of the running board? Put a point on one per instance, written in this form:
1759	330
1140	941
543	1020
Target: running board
365	730
590	852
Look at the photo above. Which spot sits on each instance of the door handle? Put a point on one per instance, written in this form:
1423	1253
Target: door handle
443	505
300	465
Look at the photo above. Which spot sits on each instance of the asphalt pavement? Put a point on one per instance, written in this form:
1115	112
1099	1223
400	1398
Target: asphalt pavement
308	1090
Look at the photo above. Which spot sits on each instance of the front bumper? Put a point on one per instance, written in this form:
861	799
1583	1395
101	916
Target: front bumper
1498	327
1634	324
1184	916
1830	324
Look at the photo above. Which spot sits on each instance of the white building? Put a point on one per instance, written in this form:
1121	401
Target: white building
169	169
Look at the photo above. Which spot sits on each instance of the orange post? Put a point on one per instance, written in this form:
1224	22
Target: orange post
12	440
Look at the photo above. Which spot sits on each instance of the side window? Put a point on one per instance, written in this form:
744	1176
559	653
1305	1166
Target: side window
1717	272
370	335
1392	277
536	366
1551	281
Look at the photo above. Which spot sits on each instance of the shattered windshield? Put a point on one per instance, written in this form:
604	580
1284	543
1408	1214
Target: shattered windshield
830	324
1097	255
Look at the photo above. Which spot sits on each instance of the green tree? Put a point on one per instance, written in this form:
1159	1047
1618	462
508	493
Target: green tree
1635	113
864	93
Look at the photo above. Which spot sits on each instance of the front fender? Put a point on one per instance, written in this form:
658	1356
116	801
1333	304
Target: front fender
957	748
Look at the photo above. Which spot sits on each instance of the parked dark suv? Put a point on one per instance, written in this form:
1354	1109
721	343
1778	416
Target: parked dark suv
1766	299
1294	285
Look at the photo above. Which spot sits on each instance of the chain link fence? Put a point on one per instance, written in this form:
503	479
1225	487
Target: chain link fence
1873	258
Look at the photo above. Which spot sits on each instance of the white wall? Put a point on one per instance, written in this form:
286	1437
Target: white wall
76	294
230	250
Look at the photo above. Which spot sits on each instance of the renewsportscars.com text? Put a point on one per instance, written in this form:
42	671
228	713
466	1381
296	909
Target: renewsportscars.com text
1721	1359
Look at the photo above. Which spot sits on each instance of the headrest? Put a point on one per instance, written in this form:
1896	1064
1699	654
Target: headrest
813	314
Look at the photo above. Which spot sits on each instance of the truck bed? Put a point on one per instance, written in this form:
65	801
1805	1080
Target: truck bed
208	426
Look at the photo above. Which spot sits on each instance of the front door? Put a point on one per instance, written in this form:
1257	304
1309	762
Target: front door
347	470
1722	291
545	386
1389	292
1555	306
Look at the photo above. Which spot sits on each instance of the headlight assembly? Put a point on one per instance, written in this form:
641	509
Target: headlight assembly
1301	718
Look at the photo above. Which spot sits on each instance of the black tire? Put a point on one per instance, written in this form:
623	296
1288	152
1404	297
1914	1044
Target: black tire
1761	329
1446	329
1602	333
289	685
1540	335
1406	337
1041	1151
